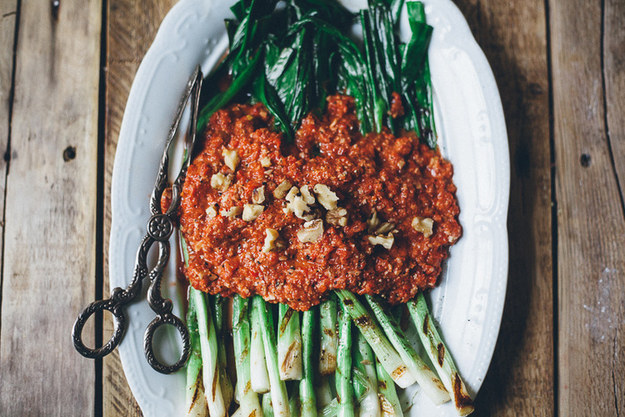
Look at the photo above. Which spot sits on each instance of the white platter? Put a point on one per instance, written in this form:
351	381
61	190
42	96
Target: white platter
469	302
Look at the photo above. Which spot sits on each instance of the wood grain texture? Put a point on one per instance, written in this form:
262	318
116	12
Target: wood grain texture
131	27
520	380
591	226
49	255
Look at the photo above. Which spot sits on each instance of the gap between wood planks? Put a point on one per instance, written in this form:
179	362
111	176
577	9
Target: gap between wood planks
7	152
554	214
99	233
605	109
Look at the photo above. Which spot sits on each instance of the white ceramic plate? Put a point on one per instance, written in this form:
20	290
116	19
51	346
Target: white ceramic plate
469	302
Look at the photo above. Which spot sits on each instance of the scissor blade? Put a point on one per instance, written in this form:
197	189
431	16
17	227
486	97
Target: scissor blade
161	179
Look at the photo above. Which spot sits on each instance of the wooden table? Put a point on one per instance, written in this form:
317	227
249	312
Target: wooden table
65	71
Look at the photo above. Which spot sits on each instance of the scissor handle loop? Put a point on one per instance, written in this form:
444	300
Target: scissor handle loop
115	306
160	320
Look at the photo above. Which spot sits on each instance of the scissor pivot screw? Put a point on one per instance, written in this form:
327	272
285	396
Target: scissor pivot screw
160	227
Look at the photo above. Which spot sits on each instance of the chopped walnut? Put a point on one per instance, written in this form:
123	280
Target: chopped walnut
220	181
311	232
251	211
337	217
265	162
326	197
282	189
231	158
307	195
385	241
298	207
272	241
384	228
423	225
293	192
211	211
232	212
373	222
258	195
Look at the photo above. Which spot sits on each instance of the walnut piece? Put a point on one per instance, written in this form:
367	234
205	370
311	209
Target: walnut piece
311	232
384	228
423	225
373	222
337	217
220	181
271	240
326	197
293	192
211	211
258	195
231	158
384	241
307	195
282	189
251	211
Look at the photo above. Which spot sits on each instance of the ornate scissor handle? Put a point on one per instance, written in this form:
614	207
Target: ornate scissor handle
148	347
115	305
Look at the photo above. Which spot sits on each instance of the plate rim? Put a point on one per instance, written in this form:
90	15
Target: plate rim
465	41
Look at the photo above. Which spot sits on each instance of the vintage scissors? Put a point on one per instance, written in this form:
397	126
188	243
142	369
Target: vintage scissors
159	229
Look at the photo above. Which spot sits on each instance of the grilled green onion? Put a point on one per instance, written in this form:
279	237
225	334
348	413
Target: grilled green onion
427	379
439	355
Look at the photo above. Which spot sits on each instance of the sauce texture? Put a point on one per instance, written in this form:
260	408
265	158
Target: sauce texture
393	189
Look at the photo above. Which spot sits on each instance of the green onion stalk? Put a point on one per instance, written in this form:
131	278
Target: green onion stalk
329	339
258	363
217	303
209	352
429	382
195	399
289	343
344	389
248	399
279	397
308	399
364	364
389	402
384	351
439	355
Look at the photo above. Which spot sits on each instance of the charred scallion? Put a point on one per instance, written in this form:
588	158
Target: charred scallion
209	349
439	355
344	389
308	399
389	402
376	338
258	363
289	343
248	399
364	361
329	339
279	397
427	379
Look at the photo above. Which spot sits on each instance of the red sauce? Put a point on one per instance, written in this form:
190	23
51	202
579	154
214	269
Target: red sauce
396	177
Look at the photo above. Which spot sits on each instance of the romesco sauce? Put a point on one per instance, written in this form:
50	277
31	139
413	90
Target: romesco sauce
400	210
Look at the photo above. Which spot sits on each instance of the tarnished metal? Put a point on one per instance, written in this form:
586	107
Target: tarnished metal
159	229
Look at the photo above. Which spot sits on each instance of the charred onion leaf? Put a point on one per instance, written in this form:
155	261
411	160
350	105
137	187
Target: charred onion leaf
291	55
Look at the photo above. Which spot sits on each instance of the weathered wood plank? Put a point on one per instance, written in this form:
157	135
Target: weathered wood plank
131	28
8	13
513	36
591	226
49	257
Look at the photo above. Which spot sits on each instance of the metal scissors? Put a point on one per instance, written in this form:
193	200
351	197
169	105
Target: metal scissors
159	229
